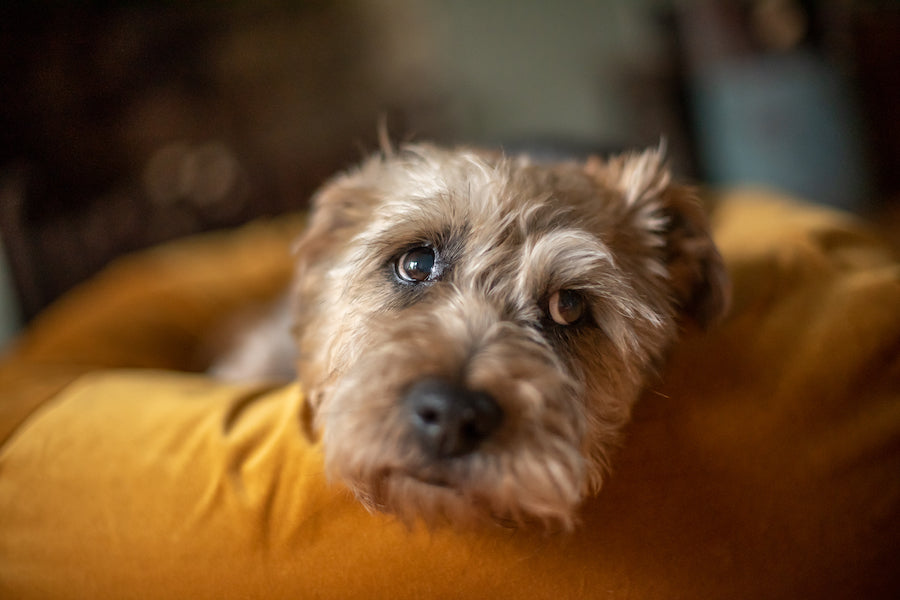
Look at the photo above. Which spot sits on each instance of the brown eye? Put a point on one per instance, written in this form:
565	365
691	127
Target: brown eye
417	265
565	307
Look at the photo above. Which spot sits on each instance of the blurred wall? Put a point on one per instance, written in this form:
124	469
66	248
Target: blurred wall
534	68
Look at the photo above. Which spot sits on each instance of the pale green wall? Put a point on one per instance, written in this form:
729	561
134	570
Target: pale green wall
533	67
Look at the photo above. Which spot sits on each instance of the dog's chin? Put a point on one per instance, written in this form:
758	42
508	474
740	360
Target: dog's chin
433	501
437	501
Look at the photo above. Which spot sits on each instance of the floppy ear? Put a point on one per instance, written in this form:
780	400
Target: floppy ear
340	209
697	273
697	277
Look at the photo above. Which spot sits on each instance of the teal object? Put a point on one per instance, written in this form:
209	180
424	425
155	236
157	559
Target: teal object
783	121
10	316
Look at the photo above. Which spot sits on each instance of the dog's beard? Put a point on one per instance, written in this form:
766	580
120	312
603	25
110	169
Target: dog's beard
534	468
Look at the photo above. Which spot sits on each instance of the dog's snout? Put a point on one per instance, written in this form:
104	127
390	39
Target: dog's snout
451	420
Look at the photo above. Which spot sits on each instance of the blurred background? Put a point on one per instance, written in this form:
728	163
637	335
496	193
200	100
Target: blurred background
126	124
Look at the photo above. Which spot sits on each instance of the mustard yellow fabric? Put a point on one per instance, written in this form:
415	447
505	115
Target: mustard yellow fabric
764	464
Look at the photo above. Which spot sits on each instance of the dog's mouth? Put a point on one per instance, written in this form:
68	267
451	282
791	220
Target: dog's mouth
429	479
393	483
452	497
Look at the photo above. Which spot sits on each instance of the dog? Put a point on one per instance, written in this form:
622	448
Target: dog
471	330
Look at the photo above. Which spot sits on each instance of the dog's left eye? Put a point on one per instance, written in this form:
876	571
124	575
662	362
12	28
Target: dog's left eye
565	307
416	265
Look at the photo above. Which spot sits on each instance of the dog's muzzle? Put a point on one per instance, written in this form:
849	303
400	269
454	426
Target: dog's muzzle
450	420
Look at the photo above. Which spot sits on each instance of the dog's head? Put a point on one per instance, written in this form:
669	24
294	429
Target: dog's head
473	329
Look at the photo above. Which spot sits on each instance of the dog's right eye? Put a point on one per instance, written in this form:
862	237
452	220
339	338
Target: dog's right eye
566	307
416	265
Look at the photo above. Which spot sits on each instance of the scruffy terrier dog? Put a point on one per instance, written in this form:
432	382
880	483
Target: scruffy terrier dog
472	329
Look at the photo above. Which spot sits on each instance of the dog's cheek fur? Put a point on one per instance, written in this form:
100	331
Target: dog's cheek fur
612	384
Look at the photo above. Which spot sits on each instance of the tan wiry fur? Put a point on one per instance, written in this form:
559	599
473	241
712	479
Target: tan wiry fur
510	233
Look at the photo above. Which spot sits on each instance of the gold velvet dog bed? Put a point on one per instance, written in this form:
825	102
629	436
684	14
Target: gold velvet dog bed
765	464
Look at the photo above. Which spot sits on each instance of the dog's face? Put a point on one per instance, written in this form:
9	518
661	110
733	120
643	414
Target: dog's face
473	329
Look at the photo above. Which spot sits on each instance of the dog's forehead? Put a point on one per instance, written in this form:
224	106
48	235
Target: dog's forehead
511	194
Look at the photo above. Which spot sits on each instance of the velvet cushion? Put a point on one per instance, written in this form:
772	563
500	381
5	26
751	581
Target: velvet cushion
765	463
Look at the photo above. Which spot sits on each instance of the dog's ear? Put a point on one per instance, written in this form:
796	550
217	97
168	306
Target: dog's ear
652	203
339	208
697	273
336	215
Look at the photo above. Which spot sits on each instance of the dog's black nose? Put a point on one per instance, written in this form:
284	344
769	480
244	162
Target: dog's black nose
451	420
